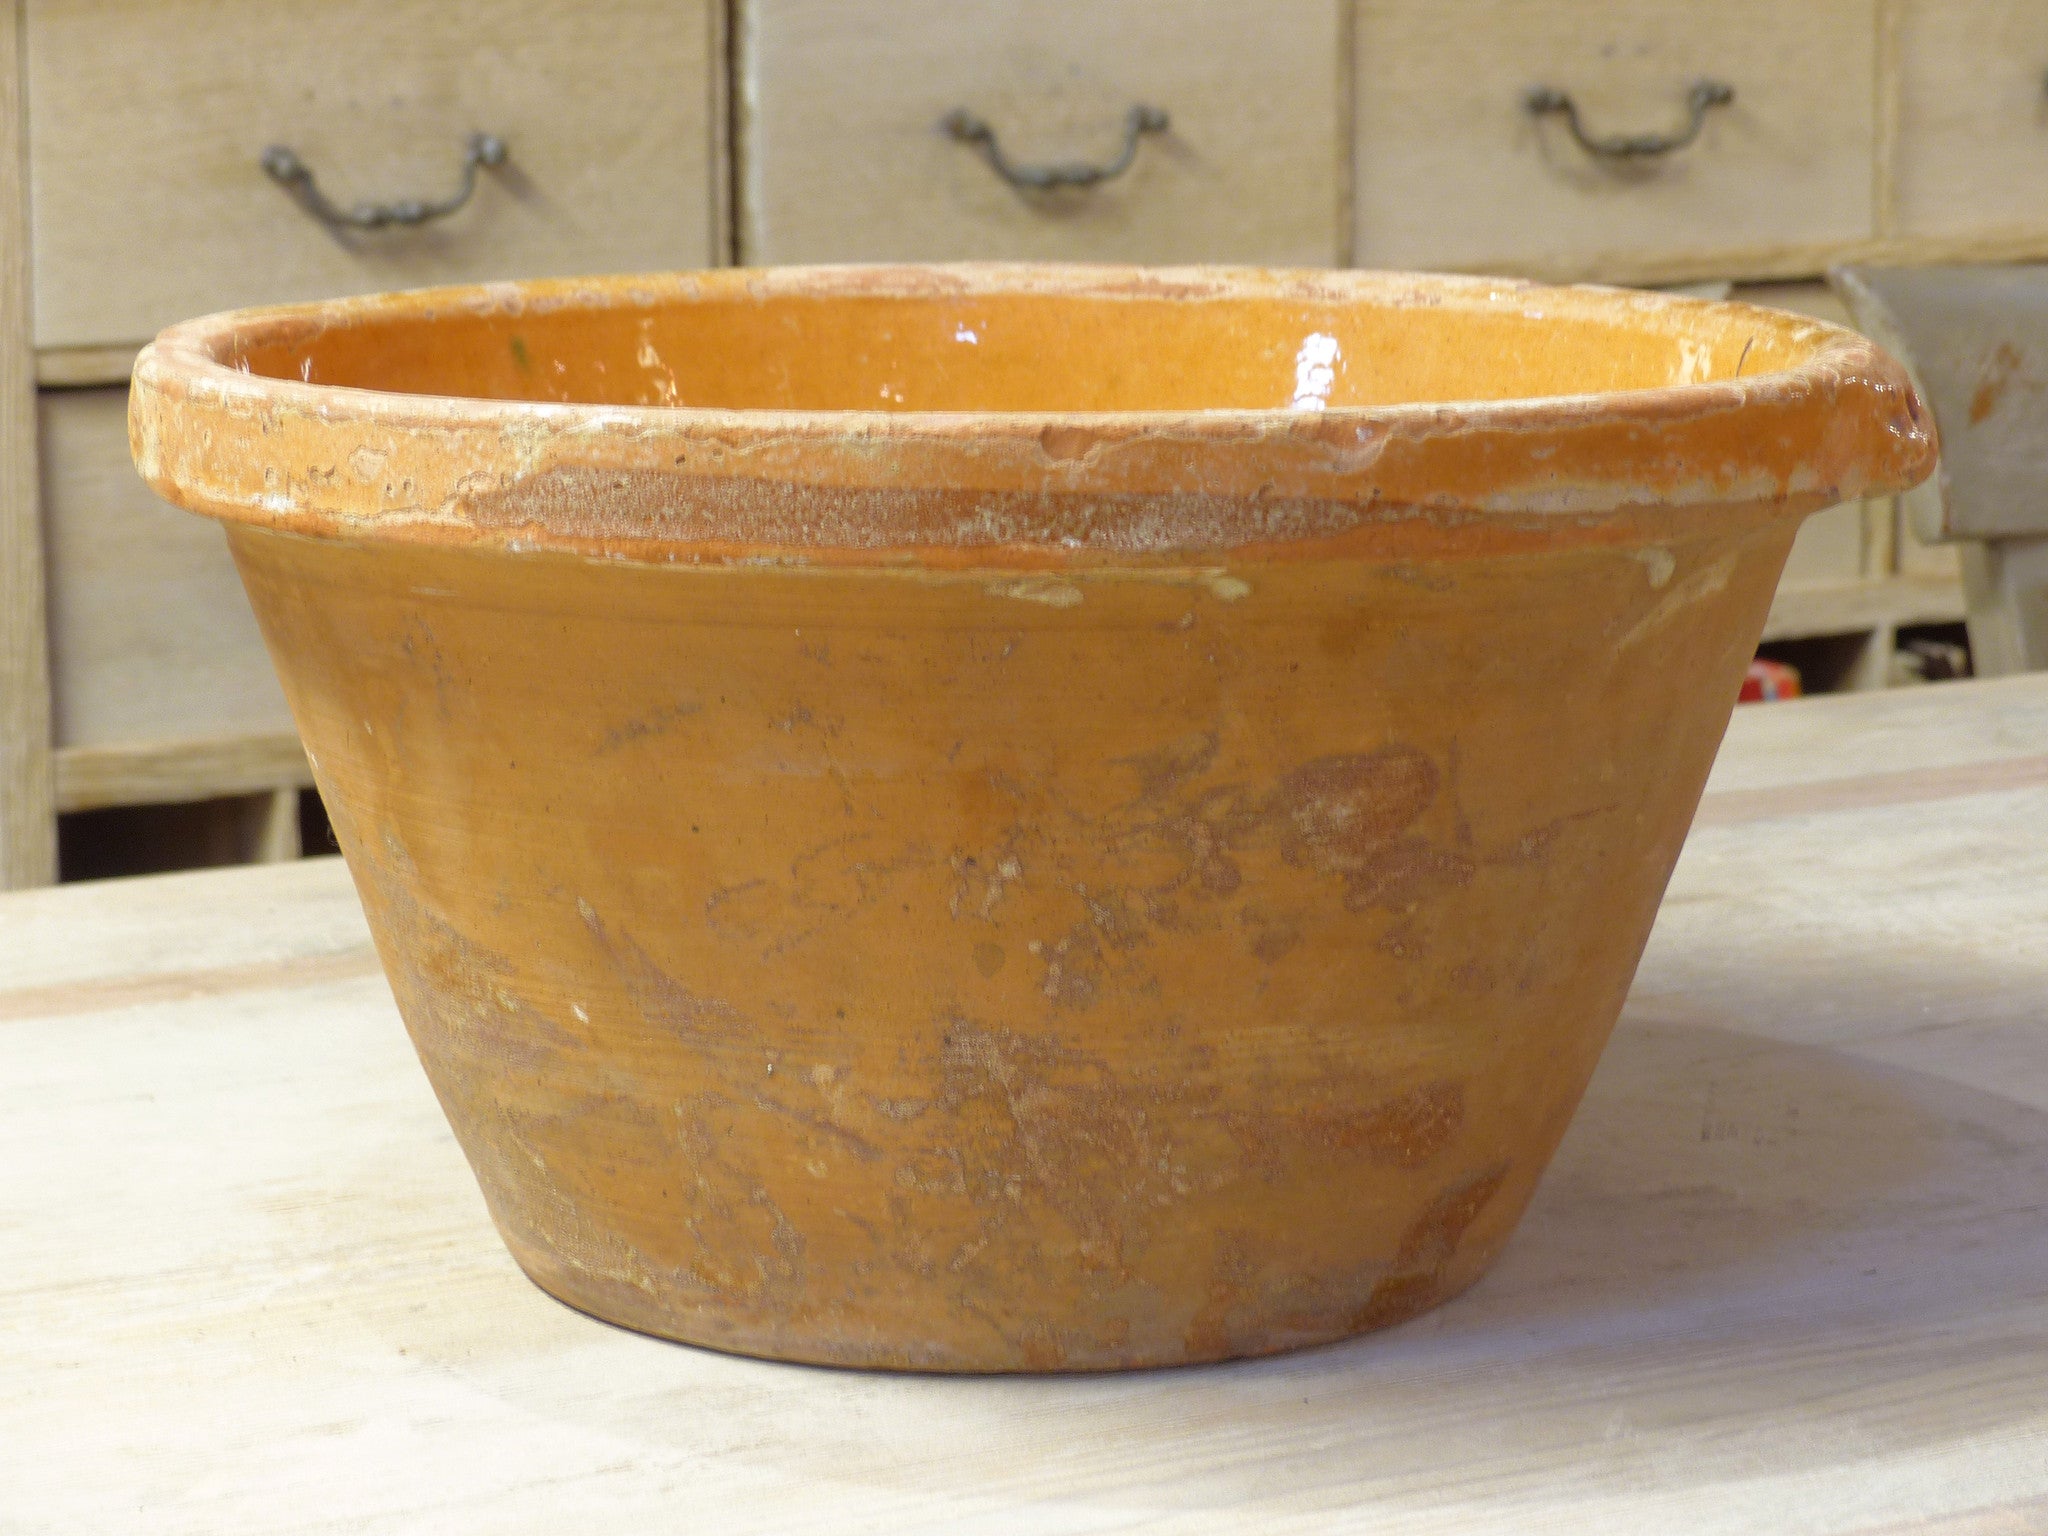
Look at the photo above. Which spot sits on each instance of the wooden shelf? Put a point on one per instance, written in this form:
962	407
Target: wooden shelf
163	773
84	367
1808	611
1770	264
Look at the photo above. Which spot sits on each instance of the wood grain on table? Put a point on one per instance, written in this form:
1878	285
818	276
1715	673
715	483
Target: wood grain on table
1788	1273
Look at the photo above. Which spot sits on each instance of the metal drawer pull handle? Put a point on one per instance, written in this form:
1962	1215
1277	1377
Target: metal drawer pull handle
969	129
1703	97
296	177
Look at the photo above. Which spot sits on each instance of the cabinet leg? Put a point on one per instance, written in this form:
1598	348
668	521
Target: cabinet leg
277	834
2005	588
1872	667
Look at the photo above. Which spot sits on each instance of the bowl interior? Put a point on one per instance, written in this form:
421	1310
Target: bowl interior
737	344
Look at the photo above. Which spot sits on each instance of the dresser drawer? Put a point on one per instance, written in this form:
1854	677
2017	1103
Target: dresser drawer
1455	169
1972	156
843	156
151	639
149	119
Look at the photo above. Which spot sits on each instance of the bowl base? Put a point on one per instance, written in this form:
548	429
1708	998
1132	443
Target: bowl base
1020	1350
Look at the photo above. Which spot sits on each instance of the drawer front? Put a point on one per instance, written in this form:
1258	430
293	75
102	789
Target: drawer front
1972	156
1832	546
1454	169
148	122
842	155
151	638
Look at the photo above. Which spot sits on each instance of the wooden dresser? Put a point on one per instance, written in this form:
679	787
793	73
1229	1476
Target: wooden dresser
162	158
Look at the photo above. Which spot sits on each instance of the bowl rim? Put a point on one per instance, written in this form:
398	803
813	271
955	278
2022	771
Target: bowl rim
698	483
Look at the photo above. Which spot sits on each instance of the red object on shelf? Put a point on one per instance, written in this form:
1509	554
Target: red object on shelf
1767	681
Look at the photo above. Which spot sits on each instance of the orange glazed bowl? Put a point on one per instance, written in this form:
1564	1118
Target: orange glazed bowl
1013	818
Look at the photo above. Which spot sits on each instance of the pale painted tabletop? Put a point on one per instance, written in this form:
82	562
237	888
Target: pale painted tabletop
1789	1272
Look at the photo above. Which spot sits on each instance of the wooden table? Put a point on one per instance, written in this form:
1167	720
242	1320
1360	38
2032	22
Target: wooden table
1788	1274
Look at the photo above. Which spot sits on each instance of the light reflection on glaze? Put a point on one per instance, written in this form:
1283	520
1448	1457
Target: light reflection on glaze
1315	372
661	376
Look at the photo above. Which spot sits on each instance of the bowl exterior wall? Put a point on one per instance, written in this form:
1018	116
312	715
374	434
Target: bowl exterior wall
965	970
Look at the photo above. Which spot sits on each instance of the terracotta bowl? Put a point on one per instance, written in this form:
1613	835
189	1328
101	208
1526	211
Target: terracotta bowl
1013	818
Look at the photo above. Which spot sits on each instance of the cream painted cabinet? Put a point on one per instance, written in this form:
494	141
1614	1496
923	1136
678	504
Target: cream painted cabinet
164	158
1171	130
150	638
150	201
1973	121
1657	140
160	158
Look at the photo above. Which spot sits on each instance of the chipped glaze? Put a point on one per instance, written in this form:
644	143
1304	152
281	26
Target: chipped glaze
1127	856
